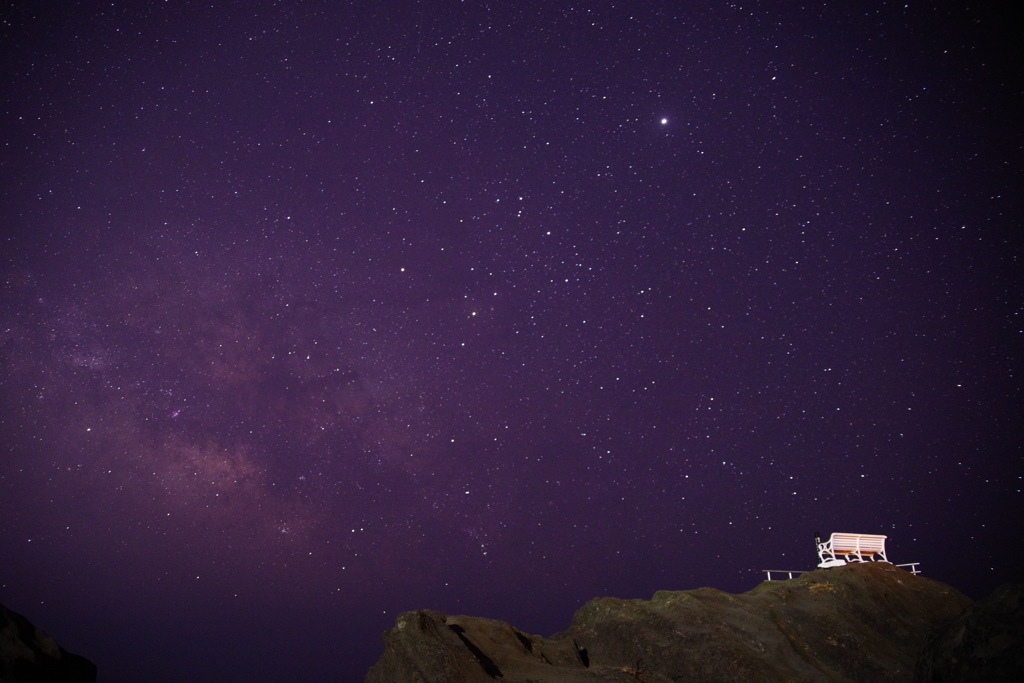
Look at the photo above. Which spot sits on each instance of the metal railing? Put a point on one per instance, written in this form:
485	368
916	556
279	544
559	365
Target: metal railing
912	567
790	573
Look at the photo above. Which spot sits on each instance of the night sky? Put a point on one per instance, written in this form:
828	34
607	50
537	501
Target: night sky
312	313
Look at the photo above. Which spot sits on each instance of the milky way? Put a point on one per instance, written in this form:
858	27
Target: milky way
313	313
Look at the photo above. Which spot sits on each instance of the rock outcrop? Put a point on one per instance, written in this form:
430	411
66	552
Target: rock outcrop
985	644
27	655
861	622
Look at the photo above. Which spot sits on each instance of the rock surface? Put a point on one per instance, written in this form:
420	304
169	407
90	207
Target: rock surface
984	644
861	622
27	655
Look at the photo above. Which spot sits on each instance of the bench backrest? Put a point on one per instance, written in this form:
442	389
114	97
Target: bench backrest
861	542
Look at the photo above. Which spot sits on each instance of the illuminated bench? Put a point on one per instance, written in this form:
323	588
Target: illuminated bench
840	549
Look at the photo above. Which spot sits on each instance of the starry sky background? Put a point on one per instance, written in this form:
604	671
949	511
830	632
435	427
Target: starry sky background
313	313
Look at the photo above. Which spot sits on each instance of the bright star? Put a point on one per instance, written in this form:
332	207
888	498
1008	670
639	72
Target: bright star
664	122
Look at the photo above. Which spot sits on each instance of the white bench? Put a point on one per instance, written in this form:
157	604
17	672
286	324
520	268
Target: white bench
842	548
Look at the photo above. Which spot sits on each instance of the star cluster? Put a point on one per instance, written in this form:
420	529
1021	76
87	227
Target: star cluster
315	312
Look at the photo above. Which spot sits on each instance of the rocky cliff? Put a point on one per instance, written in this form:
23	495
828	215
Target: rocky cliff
861	622
27	655
985	644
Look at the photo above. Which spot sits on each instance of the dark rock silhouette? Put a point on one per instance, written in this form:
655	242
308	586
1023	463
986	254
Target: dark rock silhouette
860	622
27	655
984	644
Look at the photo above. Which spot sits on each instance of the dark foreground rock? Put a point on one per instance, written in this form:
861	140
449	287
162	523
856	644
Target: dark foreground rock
861	622
27	655
985	644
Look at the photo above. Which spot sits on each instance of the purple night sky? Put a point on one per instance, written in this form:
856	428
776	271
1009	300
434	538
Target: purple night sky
317	312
